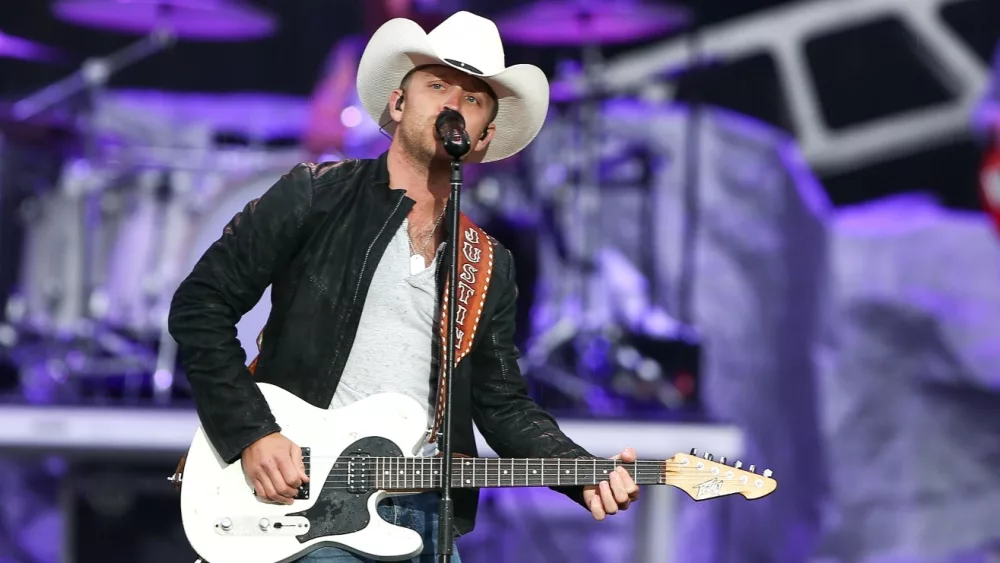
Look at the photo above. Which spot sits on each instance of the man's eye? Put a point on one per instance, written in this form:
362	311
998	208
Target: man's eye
437	86
472	99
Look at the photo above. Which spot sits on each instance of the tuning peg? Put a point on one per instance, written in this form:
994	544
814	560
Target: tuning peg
694	451
768	473
752	468
708	456
738	464
722	460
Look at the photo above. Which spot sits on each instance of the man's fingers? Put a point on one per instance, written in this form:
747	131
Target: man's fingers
283	492
608	499
628	456
292	475
618	489
596	508
266	490
633	492
631	489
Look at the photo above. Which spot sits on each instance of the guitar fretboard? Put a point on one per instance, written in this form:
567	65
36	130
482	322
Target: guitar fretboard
398	473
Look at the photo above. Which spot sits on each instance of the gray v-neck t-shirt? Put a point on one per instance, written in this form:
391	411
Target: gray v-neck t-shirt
392	349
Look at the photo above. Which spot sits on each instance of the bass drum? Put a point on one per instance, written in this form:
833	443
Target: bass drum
217	211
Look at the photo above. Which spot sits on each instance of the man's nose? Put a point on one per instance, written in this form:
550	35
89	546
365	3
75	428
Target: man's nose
454	100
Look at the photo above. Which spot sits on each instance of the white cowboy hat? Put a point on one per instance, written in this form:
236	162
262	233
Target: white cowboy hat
469	43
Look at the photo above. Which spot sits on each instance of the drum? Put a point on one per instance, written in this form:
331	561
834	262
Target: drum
50	295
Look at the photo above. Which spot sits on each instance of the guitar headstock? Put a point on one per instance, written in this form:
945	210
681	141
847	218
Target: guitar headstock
702	478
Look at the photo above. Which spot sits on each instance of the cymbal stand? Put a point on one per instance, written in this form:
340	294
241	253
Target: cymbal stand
588	192
581	327
93	74
587	328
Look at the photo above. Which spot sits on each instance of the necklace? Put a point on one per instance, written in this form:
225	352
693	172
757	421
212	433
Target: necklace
417	263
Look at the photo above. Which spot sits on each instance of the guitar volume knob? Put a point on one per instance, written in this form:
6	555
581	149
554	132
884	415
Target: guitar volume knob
226	524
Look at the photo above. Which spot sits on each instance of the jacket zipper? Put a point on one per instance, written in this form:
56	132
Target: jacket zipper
364	263
361	274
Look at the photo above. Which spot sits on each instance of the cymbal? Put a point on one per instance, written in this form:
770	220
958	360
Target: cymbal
202	20
568	23
17	48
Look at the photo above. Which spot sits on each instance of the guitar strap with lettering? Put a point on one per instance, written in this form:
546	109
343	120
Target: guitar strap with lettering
475	269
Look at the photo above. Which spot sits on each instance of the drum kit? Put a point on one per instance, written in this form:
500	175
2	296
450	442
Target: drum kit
105	247
143	189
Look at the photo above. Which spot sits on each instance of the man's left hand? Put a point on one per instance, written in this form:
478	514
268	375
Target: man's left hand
617	493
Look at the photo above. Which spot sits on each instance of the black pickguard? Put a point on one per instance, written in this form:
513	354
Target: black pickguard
338	510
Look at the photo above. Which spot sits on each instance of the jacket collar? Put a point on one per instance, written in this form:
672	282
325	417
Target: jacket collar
382	170
381	180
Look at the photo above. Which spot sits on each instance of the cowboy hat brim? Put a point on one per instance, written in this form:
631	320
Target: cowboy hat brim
400	46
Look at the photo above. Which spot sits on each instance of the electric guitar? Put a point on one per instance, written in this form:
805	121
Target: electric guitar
357	455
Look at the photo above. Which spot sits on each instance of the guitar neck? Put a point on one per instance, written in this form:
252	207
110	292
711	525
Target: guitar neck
392	473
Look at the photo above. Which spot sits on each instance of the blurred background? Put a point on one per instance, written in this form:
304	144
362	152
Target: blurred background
764	229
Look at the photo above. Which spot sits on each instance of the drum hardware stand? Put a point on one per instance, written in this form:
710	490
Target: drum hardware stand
692	183
585	330
582	329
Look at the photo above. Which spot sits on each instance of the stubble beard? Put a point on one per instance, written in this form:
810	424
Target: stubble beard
416	142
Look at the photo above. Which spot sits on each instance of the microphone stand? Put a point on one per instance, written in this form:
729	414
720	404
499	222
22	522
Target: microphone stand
457	144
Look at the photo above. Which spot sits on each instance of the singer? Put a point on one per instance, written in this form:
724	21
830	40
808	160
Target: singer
354	252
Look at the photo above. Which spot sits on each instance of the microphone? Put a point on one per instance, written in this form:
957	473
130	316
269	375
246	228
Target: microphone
450	127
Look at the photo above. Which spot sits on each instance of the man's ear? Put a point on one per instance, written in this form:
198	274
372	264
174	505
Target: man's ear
396	101
484	139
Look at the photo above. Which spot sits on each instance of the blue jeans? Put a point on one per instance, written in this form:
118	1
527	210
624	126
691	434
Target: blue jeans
416	512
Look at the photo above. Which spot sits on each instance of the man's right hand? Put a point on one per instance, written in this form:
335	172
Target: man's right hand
274	466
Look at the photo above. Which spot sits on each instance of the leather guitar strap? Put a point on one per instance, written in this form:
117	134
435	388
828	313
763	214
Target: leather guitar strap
475	269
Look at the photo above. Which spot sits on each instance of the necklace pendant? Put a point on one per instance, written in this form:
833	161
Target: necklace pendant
417	264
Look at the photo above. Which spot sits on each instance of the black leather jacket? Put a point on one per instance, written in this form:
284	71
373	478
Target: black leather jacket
316	237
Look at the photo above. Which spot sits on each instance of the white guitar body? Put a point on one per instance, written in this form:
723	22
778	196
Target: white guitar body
226	523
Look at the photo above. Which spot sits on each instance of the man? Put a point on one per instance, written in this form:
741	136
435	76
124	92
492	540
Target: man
354	254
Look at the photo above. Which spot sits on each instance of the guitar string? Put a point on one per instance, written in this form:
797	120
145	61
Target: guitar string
392	483
488	462
414	485
517	467
415	465
397	482
480	462
339	477
504	459
410	480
